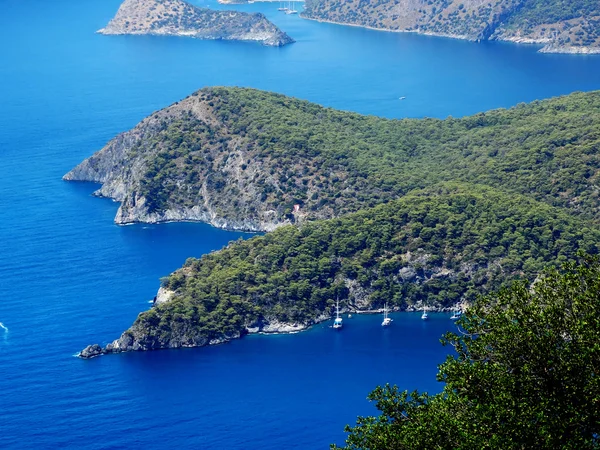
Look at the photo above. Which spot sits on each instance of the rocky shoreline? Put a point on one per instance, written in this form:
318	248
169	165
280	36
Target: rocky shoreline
128	216
547	46
388	30
123	344
273	327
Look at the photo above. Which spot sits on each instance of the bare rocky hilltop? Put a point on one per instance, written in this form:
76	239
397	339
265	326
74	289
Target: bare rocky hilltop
561	27
179	18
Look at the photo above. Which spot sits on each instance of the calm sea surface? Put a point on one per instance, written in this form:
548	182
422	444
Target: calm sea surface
70	277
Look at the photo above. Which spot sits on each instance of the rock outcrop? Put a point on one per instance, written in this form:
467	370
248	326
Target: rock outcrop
123	165
179	18
91	351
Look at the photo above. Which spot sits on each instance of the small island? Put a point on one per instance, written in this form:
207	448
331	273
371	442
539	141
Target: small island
179	18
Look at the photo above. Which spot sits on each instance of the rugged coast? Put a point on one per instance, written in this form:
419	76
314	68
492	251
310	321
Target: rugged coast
135	339
249	160
179	18
557	28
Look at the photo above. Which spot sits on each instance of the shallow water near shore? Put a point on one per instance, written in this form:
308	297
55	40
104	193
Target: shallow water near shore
70	277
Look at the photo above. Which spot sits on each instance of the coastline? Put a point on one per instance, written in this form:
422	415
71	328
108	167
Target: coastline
545	46
274	328
389	30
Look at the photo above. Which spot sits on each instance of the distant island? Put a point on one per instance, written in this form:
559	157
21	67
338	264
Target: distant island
415	212
560	26
179	18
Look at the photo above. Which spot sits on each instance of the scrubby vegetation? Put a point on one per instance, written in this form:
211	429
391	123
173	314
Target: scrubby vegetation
180	18
524	375
332	162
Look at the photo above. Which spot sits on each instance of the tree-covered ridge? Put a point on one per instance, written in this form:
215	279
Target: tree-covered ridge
524	375
434	247
247	155
563	25
339	162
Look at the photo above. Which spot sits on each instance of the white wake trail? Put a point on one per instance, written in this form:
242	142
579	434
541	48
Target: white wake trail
3	327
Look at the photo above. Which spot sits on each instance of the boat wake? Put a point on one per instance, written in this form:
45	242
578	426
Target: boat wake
5	328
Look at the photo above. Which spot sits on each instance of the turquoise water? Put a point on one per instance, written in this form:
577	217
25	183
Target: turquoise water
70	277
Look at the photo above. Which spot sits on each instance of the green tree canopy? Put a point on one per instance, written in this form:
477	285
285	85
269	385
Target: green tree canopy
524	375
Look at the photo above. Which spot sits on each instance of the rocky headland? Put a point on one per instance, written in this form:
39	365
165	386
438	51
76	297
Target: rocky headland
248	160
358	302
558	27
179	18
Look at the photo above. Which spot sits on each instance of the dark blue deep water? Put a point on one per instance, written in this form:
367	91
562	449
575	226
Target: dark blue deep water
70	277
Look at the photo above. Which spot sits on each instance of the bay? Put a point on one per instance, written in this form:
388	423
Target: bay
70	277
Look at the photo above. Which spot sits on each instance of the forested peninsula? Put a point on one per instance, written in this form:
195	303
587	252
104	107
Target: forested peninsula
179	18
560	26
412	212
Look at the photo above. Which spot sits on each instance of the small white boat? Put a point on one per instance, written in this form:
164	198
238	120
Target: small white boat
291	8
401	98
338	322
386	320
456	315
349	316
424	316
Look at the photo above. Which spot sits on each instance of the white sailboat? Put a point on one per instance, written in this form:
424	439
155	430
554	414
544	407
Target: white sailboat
424	316
386	320
337	323
292	9
282	7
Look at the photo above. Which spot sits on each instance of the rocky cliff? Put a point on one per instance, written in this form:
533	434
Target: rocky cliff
562	27
178	18
184	163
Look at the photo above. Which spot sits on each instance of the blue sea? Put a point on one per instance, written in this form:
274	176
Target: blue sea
70	277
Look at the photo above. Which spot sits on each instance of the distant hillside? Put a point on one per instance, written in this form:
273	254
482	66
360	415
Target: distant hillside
563	26
179	18
243	159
